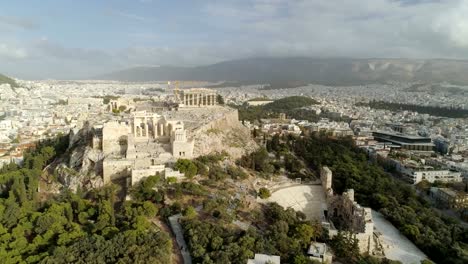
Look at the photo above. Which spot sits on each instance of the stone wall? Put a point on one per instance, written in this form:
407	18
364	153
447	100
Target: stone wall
139	174
114	138
326	178
116	169
344	211
168	172
182	150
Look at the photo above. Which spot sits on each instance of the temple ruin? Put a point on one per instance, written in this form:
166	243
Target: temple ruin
343	213
141	146
197	97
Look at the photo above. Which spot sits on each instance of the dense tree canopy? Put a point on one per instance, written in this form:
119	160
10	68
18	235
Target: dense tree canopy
293	107
284	233
441	238
289	105
431	110
72	228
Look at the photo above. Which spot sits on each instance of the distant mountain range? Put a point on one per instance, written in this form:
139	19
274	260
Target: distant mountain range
5	79
333	71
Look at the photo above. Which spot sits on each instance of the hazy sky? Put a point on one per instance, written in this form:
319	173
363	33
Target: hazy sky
71	38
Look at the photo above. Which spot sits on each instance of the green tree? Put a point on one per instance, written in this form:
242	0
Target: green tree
187	167
304	233
171	180
190	212
220	99
264	193
345	245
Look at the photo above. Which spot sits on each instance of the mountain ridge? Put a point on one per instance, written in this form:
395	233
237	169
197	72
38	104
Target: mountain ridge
327	71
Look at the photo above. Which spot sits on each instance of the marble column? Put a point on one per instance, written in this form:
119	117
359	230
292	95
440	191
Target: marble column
134	127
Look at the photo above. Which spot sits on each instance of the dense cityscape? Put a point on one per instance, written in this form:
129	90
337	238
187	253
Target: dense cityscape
428	152
234	132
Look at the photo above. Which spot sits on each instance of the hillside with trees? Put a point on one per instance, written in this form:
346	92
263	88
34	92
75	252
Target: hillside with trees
290	103
72	227
290	106
95	227
441	238
293	107
4	79
431	110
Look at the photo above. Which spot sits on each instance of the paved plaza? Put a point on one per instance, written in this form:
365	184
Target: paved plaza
308	199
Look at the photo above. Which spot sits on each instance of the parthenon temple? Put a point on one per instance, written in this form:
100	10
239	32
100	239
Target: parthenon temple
198	97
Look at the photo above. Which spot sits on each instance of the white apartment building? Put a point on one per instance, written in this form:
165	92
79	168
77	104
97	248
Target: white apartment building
417	174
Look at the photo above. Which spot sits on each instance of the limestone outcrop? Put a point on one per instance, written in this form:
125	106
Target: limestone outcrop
233	139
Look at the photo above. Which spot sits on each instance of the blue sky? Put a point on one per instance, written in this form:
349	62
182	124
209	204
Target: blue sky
73	39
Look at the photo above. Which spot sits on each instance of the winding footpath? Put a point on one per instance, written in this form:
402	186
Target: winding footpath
177	230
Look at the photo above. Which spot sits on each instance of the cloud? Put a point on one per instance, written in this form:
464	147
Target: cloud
9	52
144	36
127	15
454	25
46	48
355	28
232	29
18	22
416	2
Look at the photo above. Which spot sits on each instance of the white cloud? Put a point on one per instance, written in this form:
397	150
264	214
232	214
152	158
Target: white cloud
360	28
10	52
128	15
46	48
454	24
18	22
232	29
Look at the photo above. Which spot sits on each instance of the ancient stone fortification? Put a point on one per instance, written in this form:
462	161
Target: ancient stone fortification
345	213
141	145
138	144
114	138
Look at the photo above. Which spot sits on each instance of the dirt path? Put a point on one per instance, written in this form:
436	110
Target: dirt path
176	257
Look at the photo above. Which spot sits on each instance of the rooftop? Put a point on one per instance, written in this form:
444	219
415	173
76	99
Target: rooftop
197	90
400	135
317	249
262	259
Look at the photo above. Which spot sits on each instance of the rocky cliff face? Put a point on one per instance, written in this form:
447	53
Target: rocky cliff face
81	166
224	134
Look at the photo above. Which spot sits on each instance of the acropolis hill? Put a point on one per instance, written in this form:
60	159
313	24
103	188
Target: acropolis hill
144	138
